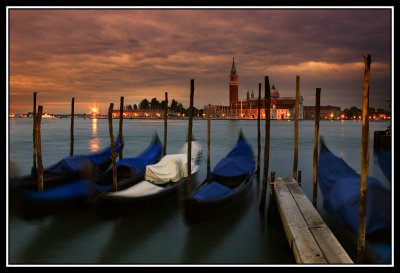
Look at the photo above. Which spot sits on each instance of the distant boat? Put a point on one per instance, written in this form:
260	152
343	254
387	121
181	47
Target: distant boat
161	181
46	115
383	152
340	186
227	184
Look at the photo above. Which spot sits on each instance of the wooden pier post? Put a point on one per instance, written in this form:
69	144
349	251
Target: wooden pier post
34	131
113	156
315	154
271	184
382	140
38	144
364	161
299	178
71	146
271	200
165	123
296	129
258	130
121	120
189	155
208	138
267	100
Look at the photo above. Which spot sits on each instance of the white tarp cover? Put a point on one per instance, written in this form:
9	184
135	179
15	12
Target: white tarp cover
173	167
142	188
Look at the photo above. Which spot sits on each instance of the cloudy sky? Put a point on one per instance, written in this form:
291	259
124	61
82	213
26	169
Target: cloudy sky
97	56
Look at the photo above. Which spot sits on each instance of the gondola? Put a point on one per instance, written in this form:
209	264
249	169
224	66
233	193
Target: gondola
161	181
82	191
227	184
69	169
131	170
340	187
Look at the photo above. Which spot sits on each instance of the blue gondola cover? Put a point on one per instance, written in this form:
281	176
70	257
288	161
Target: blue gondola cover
340	186
212	190
137	165
76	189
239	161
75	163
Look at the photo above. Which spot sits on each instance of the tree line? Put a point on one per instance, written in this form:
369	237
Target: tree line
354	111
177	107
155	104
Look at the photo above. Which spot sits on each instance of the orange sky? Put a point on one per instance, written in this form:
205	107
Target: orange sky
99	55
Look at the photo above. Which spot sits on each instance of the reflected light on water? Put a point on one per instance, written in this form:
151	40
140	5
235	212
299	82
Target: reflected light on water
94	141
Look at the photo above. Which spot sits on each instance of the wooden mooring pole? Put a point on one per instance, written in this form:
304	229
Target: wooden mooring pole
296	129
38	144
315	154
121	120
34	131
273	175
364	161
258	131
266	144
189	154
71	145
165	123
208	138
113	156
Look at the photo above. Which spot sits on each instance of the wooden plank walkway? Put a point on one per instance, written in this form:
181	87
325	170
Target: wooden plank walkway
309	237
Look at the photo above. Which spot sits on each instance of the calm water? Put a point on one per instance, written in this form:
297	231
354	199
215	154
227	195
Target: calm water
159	235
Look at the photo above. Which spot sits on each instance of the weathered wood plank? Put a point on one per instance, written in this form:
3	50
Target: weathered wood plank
329	245
300	238
310	215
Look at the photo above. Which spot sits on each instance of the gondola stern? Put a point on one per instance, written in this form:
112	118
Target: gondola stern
322	146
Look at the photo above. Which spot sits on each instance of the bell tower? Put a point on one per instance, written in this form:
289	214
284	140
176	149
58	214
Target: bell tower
233	86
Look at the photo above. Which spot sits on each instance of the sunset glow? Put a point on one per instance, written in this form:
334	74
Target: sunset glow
94	111
101	55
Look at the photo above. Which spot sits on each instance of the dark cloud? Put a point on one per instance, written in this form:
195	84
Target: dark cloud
99	55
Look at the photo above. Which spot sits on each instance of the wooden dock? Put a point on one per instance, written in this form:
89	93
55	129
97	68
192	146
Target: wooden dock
309	237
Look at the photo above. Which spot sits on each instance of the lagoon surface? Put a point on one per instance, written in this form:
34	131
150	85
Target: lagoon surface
159	234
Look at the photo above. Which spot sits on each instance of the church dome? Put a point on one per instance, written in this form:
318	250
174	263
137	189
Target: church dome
274	92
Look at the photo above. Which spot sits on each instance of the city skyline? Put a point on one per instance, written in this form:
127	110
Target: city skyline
99	55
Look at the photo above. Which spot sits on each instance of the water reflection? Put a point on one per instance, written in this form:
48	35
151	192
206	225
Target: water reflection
160	235
60	234
94	141
134	226
210	234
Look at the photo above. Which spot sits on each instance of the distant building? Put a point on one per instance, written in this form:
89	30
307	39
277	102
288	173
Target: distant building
325	112
281	107
233	86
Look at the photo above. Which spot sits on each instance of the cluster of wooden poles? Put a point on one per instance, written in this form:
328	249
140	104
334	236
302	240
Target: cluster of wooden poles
37	155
